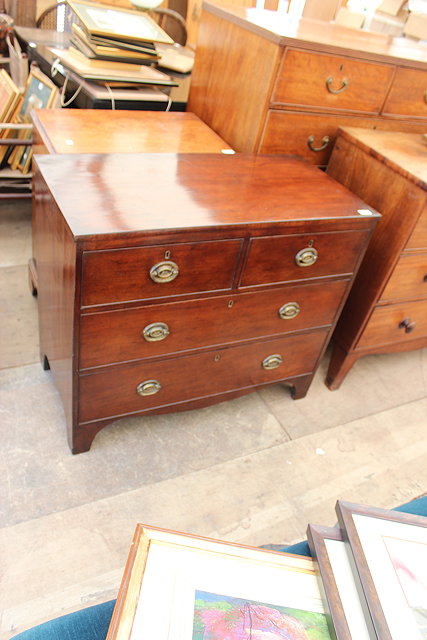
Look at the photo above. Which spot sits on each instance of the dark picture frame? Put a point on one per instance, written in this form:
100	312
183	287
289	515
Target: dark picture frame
342	591
388	549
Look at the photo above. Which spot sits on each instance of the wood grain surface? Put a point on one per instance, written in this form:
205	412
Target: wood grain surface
120	131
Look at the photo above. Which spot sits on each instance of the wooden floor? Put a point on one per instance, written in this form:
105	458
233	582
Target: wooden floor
255	470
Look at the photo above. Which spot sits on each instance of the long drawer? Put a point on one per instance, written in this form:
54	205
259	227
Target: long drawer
409	279
286	258
407	96
312	136
418	239
313	79
145	332
121	275
121	391
395	323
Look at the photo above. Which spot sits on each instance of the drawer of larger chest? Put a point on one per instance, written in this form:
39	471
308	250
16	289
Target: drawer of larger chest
418	238
313	136
286	258
395	323
408	94
313	79
137	273
409	279
149	331
137	388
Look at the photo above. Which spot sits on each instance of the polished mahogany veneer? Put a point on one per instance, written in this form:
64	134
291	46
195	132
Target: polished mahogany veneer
169	282
269	83
77	131
386	310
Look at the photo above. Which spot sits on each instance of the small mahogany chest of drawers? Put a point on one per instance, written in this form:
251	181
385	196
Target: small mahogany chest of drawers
386	310
168	282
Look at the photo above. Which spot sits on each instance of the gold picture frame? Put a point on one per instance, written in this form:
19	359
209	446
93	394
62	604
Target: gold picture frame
117	23
10	104
176	585
40	93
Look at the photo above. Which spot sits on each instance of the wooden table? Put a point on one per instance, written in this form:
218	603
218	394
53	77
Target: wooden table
174	281
100	131
268	83
387	308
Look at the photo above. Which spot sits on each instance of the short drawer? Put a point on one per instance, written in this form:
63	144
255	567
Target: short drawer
395	323
189	377
312	79
418	239
122	336
286	258
409	279
150	272
408	94
312	136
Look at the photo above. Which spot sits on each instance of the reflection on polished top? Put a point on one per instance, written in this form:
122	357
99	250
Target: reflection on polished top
124	193
122	131
406	153
287	30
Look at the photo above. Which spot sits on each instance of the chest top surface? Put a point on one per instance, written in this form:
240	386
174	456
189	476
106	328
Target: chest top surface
406	153
121	131
128	193
286	30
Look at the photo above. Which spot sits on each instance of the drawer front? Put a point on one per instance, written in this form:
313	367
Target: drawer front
313	136
312	79
275	259
418	239
409	279
189	377
124	274
395	323
122	336
408	94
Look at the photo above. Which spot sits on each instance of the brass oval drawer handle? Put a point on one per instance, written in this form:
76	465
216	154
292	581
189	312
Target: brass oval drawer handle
289	310
407	325
343	87
165	271
325	142
425	100
306	257
155	331
272	362
148	388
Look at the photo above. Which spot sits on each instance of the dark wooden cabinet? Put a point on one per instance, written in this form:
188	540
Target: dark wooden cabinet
386	310
168	282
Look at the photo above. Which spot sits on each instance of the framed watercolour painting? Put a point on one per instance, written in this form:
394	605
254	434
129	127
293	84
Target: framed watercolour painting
40	93
342	590
183	587
389	549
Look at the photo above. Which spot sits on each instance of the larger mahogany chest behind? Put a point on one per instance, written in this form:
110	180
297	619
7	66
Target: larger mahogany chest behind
168	282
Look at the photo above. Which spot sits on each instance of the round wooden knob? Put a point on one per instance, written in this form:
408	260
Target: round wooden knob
407	324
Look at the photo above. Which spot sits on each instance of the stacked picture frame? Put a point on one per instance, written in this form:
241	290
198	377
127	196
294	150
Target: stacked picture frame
367	580
373	569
